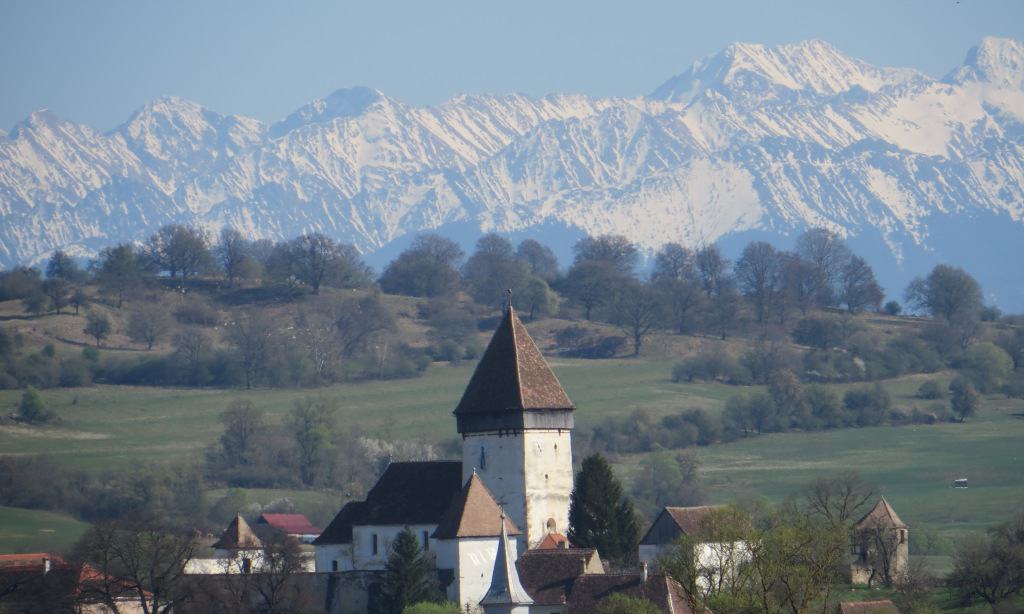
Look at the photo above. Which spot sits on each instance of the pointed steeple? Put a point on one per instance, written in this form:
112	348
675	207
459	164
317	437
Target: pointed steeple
238	536
511	378
506	589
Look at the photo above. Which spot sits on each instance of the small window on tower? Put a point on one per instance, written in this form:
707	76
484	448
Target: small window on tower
373	546
483	459
426	540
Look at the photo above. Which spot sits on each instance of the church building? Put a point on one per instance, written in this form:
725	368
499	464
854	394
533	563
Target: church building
507	494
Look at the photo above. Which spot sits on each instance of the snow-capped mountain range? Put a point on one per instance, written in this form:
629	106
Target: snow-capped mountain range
753	142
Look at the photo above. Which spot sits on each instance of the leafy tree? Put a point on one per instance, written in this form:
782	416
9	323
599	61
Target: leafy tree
892	308
148	323
600	516
759	275
616	251
617	603
858	288
428	268
947	292
668	479
32	408
987	366
963	398
36	303
539	258
409	576
931	390
538	297
78	299
19	282
58	292
178	249
242	426
673	263
991	570
712	268
827	255
119	271
493	269
311	422
315	259
868	406
591	284
62	266
97	326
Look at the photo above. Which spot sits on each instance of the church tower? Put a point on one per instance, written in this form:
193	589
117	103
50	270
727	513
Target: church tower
516	423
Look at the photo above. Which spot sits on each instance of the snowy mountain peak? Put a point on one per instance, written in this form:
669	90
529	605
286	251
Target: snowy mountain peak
347	102
997	61
807	67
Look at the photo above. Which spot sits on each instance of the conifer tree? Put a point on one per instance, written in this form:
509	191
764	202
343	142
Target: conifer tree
409	576
599	515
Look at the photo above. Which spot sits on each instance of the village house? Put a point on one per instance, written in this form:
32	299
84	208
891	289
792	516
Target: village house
296	526
33	581
238	551
715	560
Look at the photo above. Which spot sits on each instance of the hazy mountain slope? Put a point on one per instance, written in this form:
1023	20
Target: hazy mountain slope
753	141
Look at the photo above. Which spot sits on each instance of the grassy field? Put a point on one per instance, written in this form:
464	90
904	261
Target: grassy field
106	427
35	531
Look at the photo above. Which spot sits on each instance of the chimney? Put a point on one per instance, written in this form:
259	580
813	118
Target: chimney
564	544
643	572
46	565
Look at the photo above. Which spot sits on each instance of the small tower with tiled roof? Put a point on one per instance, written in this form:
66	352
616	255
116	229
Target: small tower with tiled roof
881	546
516	422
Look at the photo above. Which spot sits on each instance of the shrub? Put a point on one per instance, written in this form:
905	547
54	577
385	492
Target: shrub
197	313
931	389
893	308
32	408
987	366
705	367
868	406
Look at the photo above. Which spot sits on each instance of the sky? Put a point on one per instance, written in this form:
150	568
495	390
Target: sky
98	61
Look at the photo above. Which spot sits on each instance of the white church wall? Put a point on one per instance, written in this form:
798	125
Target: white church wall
549	482
371	544
499	461
476	563
334	557
529	473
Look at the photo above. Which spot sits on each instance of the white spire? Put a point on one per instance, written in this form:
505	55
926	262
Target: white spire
505	590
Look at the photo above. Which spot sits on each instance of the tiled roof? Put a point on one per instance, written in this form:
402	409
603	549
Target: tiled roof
588	591
290	524
28	560
548	574
406	494
882	514
687	519
238	536
512	375
473	513
552	541
881	606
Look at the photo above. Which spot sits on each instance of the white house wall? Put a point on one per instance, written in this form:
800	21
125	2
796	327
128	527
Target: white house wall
327	554
363	557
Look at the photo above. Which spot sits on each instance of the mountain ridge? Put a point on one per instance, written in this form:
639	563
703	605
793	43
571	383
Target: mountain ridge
753	139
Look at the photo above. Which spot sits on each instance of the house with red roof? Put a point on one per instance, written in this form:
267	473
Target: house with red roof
292	525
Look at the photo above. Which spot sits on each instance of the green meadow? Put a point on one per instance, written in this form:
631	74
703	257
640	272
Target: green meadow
114	427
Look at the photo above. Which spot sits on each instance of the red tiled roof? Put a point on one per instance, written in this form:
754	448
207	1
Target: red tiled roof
512	375
31	559
547	575
290	524
554	540
588	591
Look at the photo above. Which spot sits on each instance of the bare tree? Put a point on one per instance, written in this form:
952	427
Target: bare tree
191	345
673	262
636	310
838	498
97	326
232	253
146	562
178	249
758	272
827	253
858	288
148	323
712	268
614	250
251	336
